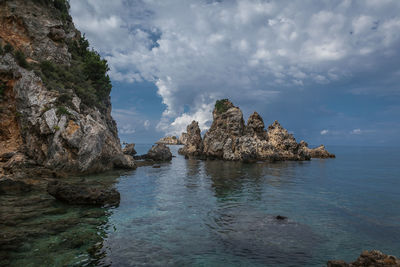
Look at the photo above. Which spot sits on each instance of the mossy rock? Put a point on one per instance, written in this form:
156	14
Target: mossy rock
222	105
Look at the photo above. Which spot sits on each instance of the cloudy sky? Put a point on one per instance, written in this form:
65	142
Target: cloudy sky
329	71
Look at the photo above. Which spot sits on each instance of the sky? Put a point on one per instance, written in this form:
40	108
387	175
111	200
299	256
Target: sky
328	71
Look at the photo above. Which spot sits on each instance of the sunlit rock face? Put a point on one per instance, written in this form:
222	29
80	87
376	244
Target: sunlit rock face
193	141
46	120
229	138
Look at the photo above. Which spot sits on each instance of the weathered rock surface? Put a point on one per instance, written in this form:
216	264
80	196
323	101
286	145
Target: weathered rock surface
75	138
183	138
193	144
129	149
169	140
229	138
368	258
83	195
159	152
318	152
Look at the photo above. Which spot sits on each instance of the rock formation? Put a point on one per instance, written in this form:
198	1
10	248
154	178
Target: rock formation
318	152
55	108
129	149
169	140
83	195
193	143
368	258
229	138
183	138
159	152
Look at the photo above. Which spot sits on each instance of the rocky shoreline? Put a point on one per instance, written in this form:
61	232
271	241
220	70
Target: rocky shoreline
373	258
229	138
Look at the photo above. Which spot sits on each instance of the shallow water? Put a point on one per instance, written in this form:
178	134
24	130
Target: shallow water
214	213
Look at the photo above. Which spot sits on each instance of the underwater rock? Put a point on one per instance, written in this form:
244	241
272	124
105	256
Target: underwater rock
8	185
84	195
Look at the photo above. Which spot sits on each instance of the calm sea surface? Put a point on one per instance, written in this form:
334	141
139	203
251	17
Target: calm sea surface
215	213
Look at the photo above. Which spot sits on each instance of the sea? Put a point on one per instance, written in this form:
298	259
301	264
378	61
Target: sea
215	213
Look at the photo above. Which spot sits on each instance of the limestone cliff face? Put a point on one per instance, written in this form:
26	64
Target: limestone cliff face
229	138
45	120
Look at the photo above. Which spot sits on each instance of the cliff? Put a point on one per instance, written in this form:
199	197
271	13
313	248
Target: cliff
229	138
55	107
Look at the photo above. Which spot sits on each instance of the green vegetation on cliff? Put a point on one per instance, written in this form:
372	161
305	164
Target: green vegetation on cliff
222	105
61	5
86	75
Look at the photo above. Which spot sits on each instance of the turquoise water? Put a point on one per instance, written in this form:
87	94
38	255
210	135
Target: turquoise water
215	213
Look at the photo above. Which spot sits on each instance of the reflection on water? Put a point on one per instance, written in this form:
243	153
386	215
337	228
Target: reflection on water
215	213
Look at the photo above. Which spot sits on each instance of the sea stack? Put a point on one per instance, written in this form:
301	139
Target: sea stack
229	138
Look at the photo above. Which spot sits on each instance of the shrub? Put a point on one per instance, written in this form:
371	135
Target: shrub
222	105
61	5
56	128
21	59
8	48
62	111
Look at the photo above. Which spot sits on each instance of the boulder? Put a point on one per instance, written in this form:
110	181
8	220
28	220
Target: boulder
159	152
193	143
83	194
368	258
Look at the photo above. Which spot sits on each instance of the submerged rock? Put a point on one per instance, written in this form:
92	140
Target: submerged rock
193	143
8	185
83	195
229	138
368	258
159	152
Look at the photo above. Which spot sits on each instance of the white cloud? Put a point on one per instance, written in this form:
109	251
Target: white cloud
356	131
146	124
199	51
324	132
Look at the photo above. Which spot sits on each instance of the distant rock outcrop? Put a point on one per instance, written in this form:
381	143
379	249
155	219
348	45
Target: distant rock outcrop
368	258
129	149
318	152
193	143
169	140
229	138
183	138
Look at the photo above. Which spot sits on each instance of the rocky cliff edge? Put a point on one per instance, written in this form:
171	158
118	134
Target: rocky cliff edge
55	109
